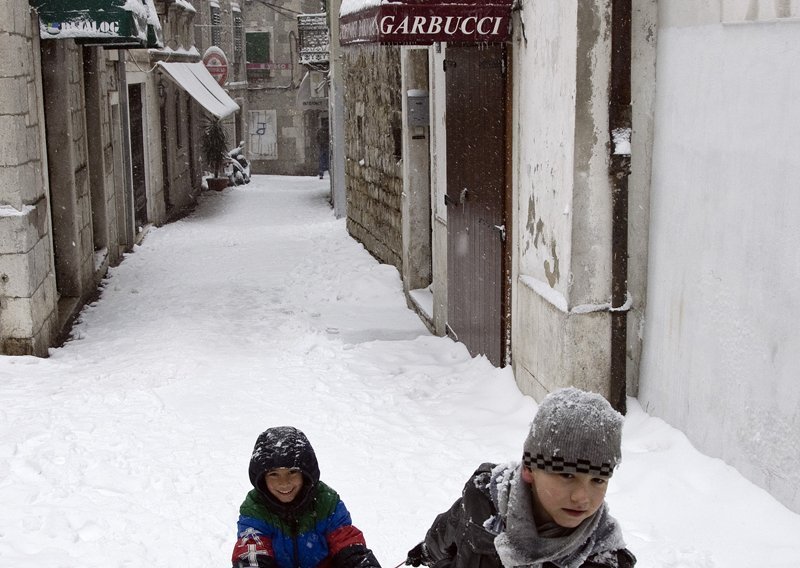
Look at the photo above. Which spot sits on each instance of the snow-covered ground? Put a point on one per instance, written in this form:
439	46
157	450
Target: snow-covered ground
129	446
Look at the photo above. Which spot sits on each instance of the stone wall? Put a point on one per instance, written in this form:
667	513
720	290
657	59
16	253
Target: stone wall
373	144
27	283
67	152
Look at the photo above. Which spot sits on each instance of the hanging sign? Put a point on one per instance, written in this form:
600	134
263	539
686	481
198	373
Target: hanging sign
217	64
413	22
112	23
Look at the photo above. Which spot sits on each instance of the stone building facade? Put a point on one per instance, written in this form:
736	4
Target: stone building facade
373	149
286	102
96	145
221	24
27	287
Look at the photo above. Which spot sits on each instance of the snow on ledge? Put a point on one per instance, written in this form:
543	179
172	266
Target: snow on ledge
11	211
558	300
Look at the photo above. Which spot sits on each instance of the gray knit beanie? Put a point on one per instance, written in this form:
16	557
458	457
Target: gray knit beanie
575	432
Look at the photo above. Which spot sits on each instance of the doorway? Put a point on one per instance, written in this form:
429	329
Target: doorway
476	198
138	156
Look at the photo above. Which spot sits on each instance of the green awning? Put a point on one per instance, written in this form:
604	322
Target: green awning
111	23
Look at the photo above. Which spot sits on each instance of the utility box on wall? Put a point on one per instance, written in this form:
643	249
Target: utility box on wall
417	107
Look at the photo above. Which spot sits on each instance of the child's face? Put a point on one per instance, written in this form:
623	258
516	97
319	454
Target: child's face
566	499
284	483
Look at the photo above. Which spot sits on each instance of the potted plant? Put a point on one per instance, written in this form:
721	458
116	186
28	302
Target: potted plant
215	152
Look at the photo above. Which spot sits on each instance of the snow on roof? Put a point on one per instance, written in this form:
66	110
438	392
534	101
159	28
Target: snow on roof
353	6
195	79
186	6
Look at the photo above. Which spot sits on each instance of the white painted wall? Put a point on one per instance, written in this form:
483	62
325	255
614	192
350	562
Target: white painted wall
721	358
544	139
561	277
438	161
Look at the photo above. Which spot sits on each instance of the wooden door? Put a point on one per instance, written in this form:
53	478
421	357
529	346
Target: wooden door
476	190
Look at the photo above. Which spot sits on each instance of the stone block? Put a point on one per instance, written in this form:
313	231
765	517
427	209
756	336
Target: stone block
13	95
17	55
45	301
10	183
16	317
42	262
13	141
17	233
31	188
16	275
33	111
33	144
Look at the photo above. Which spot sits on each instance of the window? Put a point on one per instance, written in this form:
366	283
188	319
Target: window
216	25
238	42
257	46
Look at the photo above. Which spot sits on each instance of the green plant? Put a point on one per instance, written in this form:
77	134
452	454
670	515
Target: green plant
215	145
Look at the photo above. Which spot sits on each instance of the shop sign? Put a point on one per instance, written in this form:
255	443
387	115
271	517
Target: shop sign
269	66
417	23
217	64
113	23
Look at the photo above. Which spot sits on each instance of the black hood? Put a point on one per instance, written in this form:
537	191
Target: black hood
284	446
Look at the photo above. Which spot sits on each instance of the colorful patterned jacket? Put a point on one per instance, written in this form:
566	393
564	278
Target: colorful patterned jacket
312	531
322	536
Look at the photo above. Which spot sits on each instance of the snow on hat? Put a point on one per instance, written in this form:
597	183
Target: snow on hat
283	446
575	432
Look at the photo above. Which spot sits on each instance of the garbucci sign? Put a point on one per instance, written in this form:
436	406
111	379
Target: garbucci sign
422	24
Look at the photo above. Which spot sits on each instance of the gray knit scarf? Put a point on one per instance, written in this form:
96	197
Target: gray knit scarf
522	545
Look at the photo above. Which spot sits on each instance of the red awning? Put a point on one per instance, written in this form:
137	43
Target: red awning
422	22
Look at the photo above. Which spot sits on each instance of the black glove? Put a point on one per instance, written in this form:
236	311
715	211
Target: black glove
418	555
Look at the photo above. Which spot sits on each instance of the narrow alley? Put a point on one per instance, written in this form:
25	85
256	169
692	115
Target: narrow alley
129	445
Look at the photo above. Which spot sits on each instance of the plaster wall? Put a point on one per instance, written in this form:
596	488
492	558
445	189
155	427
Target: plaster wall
416	195
561	274
644	32
721	348
438	161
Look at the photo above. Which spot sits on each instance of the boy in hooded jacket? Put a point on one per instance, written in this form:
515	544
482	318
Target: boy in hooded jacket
547	512
291	519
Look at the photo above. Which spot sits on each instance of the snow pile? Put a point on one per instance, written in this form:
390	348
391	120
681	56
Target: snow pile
130	445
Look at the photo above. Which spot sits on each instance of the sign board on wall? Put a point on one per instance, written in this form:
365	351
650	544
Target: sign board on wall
262	129
217	64
414	22
113	23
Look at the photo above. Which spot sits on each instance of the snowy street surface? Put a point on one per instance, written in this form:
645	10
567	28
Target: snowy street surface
129	446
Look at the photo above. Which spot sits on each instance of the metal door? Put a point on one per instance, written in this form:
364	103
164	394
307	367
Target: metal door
476	197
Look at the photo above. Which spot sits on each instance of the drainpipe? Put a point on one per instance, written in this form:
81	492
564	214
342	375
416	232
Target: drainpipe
619	118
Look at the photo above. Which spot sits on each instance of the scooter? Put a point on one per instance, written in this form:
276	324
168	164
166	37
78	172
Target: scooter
237	166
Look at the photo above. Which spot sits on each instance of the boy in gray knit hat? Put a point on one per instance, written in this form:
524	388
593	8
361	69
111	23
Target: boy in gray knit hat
547	512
